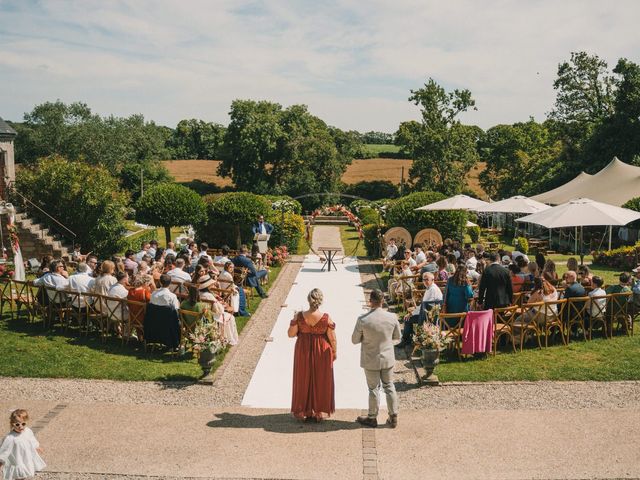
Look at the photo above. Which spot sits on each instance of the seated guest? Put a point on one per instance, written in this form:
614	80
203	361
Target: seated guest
194	304
56	277
471	259
432	296
171	250
45	264
431	266
144	250
144	268
516	253
254	276
472	274
119	290
623	284
442	274
106	279
224	258
391	251
225	282
80	282
153	248
188	267
410	259
208	265
597	307
130	263
635	288
420	257
141	292
572	264
573	288
92	263
177	273
506	260
543	291
218	310
163	297
584	276
398	286
451	264
532	271
522	265
517	281
202	252
540	261
160	255
549	272
458	292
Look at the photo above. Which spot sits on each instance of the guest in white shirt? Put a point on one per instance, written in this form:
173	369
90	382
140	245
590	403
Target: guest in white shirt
391	251
203	252
130	262
432	296
409	258
224	258
105	280
163	297
153	248
56	278
92	263
119	290
420	257
80	282
177	273
170	250
225	282
597	306
144	250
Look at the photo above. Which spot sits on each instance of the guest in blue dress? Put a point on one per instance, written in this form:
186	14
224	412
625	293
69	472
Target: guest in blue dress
459	291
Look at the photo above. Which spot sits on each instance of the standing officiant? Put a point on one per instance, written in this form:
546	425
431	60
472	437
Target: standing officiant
261	227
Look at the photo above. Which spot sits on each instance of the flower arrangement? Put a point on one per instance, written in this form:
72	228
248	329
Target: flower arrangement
277	256
6	271
340	210
429	336
207	337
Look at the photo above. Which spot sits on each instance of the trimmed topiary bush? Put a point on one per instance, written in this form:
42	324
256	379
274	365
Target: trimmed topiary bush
369	215
403	213
521	244
474	233
230	216
288	233
371	234
170	205
279	202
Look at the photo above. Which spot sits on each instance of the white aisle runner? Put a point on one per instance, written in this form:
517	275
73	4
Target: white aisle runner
270	386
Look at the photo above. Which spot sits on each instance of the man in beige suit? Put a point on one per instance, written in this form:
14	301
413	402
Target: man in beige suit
377	331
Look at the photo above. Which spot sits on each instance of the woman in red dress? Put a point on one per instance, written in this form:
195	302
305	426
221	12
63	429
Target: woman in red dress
316	350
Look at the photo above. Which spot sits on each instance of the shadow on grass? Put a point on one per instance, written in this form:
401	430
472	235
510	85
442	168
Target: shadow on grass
279	423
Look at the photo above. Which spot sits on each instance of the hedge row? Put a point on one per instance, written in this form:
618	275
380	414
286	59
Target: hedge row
132	242
624	258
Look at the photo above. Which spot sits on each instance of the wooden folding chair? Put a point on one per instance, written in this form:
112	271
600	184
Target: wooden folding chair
503	319
58	310
181	289
619	312
22	297
96	313
189	320
77	314
554	319
40	302
6	295
117	315
574	314
530	320
597	311
451	326
137	311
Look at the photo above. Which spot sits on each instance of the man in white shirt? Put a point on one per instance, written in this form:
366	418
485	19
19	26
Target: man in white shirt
409	258
515	254
432	296
224	258
153	248
392	250
420	257
170	250
163	297
130	262
203	252
92	263
144	250
471	259
80	282
178	273
56	278
119	290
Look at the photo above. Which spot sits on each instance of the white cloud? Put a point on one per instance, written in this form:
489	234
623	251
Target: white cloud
353	63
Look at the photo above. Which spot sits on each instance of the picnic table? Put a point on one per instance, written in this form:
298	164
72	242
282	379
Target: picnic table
329	254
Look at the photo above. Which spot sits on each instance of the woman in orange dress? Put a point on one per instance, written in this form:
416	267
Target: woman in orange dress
316	349
141	292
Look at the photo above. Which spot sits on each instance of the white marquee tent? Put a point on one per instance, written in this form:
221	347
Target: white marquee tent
615	184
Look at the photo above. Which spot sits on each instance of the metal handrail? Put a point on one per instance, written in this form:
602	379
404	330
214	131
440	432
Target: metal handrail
11	186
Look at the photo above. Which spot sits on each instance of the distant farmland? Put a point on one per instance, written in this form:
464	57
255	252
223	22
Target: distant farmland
360	170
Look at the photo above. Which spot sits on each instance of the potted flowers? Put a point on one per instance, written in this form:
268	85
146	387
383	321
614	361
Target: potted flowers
429	339
207	340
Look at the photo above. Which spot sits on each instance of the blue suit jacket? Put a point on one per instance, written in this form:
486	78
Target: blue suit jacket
242	261
255	228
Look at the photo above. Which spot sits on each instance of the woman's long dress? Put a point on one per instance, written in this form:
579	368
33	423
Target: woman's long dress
313	389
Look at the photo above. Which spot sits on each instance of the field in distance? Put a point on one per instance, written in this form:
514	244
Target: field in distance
360	170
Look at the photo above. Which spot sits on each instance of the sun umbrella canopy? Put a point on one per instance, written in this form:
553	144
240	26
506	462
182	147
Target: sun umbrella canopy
458	202
470	224
517	204
582	212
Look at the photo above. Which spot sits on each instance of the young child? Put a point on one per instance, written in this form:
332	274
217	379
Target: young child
20	451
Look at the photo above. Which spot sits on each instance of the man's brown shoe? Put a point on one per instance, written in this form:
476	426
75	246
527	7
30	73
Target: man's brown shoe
367	421
392	421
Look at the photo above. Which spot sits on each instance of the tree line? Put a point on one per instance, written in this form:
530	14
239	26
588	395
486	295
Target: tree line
267	148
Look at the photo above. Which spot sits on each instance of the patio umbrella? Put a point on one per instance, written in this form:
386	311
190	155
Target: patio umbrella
517	204
583	212
457	202
470	224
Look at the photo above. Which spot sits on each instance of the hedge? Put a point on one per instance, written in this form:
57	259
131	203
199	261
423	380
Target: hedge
403	213
132	242
623	258
371	239
288	233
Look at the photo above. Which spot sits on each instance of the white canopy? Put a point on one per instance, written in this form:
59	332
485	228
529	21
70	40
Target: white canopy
517	204
470	224
582	212
615	184
458	202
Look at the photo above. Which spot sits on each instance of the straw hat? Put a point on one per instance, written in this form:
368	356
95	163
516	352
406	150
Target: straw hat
205	282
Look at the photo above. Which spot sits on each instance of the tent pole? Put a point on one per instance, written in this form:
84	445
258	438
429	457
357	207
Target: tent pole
575	241
610	228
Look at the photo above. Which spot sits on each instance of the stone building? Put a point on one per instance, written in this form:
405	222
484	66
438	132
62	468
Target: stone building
7	157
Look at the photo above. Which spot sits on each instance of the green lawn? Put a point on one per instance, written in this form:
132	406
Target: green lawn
27	350
374	149
349	238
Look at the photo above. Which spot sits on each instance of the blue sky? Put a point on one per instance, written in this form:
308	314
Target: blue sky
353	62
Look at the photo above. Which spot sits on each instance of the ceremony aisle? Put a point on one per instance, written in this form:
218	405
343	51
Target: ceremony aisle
270	386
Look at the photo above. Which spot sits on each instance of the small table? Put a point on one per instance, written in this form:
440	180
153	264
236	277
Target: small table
329	254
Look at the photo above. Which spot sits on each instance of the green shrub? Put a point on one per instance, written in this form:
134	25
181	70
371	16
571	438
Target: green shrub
132	242
279	202
372	190
288	233
369	215
170	205
402	213
230	216
521	244
623	258
474	233
84	198
372	234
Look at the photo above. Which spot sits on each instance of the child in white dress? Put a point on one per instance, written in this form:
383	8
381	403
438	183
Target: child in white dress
20	451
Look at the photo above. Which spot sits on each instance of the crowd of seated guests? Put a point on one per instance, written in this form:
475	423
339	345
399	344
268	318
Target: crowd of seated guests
459	273
157	276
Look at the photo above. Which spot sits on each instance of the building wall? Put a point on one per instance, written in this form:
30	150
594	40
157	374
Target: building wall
9	158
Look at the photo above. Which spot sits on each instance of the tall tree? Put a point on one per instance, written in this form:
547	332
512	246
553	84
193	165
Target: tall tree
443	150
197	139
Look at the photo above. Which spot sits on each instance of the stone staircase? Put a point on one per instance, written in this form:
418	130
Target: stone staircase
36	240
331	220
